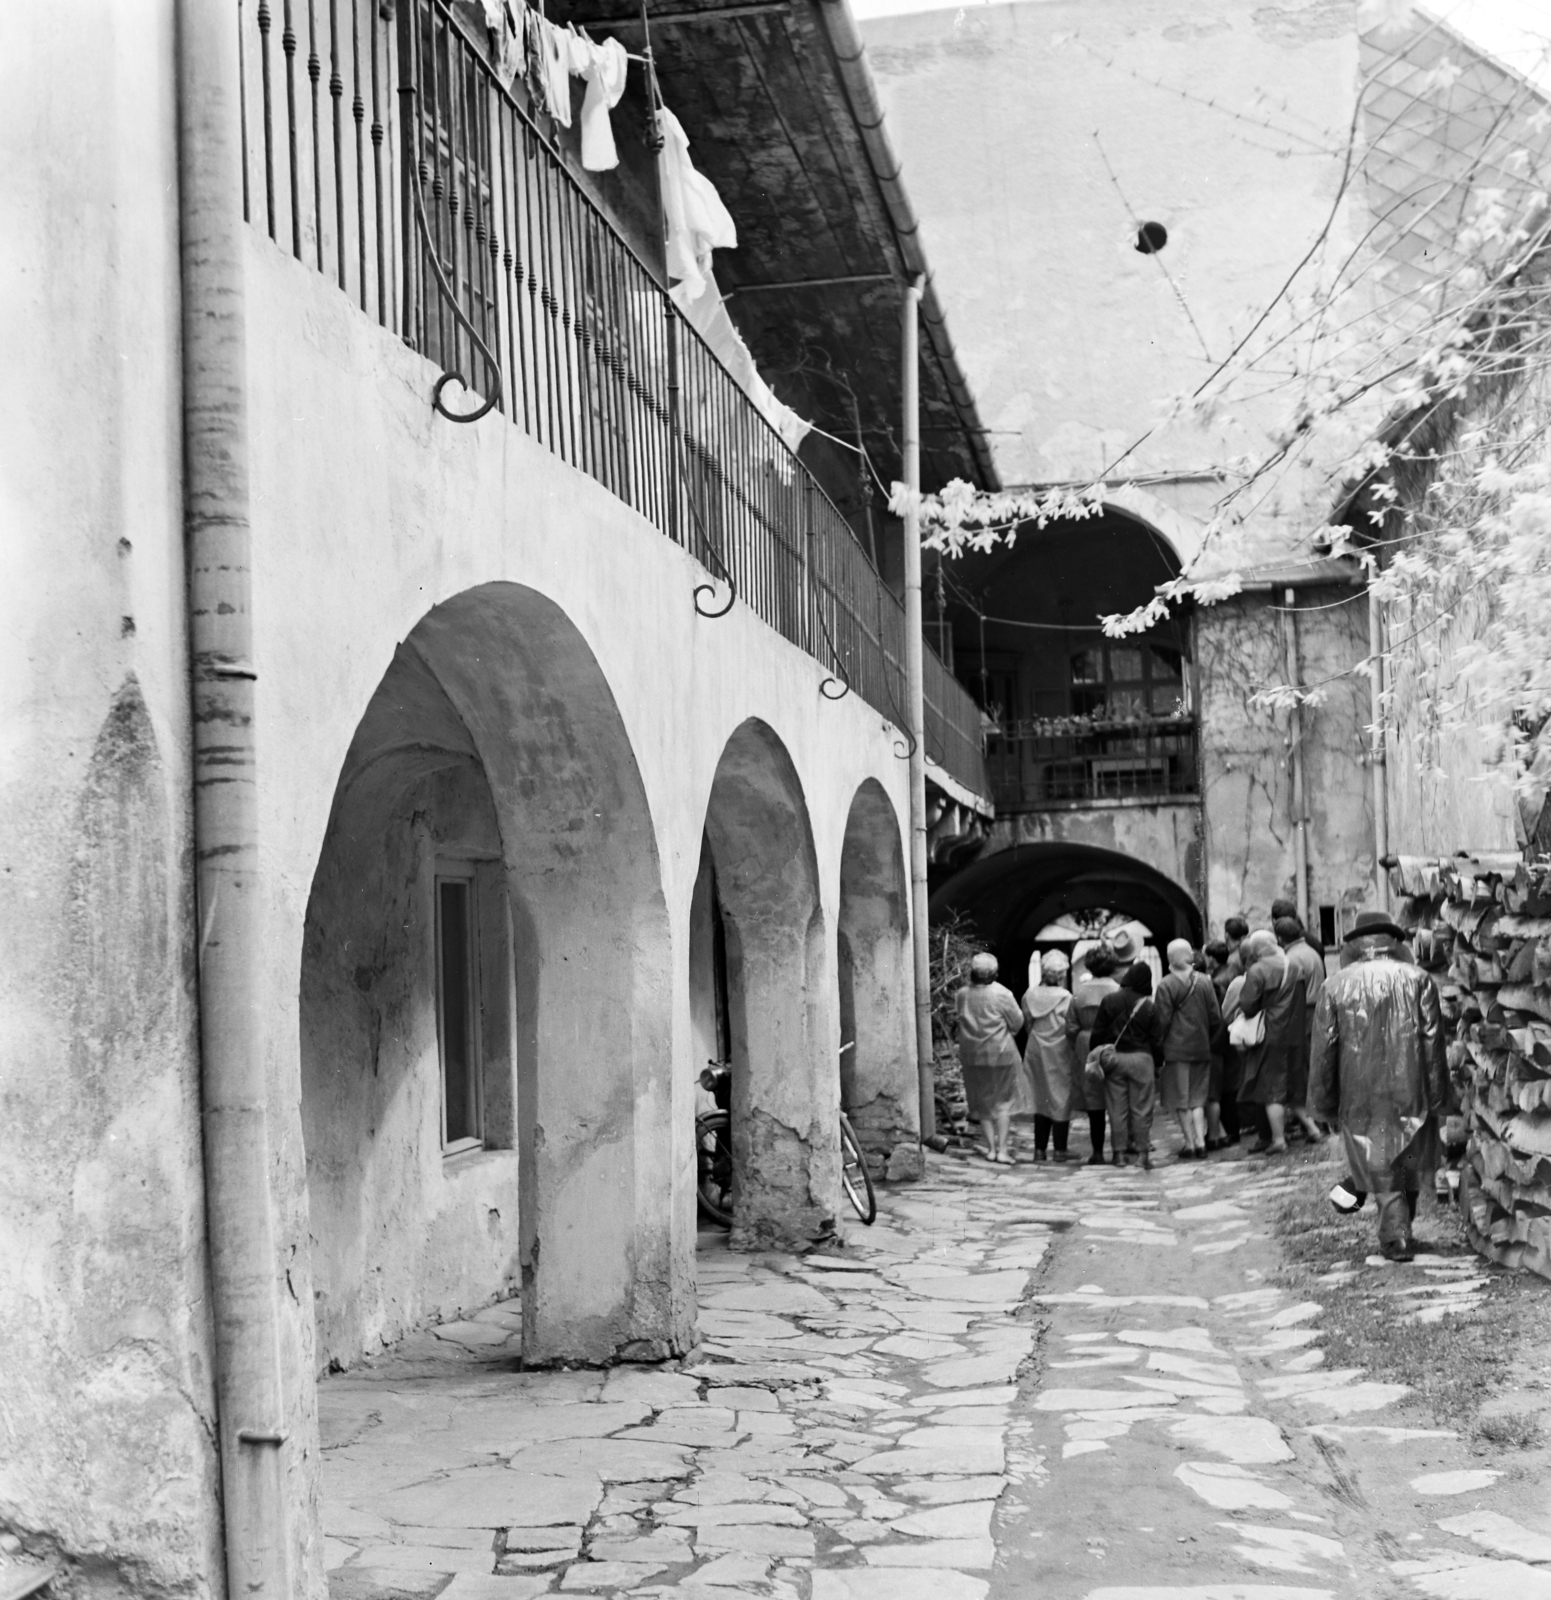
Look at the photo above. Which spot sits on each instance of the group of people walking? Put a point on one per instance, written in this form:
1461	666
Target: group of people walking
1223	1039
1245	1031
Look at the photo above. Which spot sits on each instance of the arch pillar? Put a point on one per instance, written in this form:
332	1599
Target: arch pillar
493	754
879	1080
785	1087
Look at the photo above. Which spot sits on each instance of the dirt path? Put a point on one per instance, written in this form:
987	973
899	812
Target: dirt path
1183	1437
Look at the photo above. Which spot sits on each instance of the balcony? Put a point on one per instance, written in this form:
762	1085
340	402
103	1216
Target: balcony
487	253
1061	762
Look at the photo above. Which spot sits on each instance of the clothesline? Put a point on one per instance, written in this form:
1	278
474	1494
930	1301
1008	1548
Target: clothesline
526	43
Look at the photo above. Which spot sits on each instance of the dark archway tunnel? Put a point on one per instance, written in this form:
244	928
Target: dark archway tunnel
1010	896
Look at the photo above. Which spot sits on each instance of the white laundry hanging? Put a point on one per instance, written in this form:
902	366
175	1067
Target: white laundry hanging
605	76
697	221
553	52
707	315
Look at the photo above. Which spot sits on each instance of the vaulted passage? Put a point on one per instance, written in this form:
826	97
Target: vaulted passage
879	1086
1010	897
780	1021
485	1004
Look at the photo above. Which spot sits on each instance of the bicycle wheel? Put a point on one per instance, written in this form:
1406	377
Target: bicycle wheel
713	1166
854	1178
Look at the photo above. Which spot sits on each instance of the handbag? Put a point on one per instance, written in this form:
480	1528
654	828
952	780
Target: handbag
1102	1057
1244	1033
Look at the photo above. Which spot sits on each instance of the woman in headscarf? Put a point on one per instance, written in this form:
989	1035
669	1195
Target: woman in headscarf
1273	992
1047	1054
1128	1022
988	1022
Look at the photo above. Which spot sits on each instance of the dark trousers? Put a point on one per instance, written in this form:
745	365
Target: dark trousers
1096	1132
1044	1128
1130	1088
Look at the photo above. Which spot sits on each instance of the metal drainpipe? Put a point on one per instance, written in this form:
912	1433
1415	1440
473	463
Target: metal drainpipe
915	703
1377	687
1299	795
237	1178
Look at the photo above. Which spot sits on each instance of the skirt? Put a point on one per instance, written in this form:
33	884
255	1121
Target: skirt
1087	1092
1267	1071
991	1090
1184	1084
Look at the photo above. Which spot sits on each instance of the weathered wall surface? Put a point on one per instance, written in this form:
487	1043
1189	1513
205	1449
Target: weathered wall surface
1035	138
399	1236
1166	834
106	1447
569	627
1245	645
1447	789
597	706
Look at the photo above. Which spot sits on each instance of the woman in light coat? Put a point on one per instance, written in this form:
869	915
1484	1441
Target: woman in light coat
1047	1054
989	1018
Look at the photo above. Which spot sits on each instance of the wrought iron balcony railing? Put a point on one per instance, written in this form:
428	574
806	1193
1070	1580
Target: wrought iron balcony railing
1071	760
483	251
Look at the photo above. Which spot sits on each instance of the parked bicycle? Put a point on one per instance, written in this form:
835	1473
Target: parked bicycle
713	1153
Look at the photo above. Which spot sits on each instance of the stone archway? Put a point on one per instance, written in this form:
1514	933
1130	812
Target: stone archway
879	1085
785	1092
486	1003
1010	896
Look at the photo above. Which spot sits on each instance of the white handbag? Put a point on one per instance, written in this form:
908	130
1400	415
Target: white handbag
1244	1033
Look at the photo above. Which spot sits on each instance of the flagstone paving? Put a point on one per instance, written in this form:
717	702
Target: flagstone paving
1063	1381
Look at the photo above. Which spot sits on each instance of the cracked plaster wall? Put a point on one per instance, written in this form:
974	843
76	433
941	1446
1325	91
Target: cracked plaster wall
878	1082
1034	137
370	516
1445	790
785	1078
107	1459
399	1235
1246	777
1164	834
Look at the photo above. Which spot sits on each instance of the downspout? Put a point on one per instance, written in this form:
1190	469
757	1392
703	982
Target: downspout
237	1178
1299	795
1377	687
915	704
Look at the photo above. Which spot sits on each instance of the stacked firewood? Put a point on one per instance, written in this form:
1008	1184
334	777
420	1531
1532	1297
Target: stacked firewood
1483	927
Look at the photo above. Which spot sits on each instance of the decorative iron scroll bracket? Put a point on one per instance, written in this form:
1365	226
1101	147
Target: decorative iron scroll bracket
844	679
905	745
716	556
412	177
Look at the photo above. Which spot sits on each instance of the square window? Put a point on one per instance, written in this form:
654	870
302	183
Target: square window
457	1010
1088	666
1125	665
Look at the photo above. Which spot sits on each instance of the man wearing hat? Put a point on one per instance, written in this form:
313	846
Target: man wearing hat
1379	1064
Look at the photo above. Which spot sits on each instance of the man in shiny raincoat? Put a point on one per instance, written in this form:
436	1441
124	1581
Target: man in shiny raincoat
1378	1063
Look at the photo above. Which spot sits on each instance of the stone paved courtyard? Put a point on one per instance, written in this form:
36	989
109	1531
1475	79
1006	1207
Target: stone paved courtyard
871	1426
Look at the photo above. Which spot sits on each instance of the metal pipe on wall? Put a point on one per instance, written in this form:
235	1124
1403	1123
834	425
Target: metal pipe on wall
1379	759
915	702
243	1265
1299	793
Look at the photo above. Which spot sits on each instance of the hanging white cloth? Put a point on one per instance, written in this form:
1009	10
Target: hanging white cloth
707	315
697	221
605	76
554	68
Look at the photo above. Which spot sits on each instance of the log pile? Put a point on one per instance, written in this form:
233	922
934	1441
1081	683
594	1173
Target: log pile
1483	927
